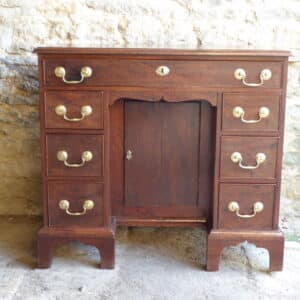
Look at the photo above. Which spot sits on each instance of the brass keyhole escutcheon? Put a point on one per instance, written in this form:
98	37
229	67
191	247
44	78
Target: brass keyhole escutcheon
162	71
129	155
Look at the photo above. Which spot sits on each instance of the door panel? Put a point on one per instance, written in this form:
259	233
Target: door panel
164	140
180	149
170	174
143	138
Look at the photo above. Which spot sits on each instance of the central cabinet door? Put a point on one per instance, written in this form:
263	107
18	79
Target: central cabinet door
162	165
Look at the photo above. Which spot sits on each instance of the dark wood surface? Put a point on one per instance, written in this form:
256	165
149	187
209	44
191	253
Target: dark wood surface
246	195
122	72
74	145
251	105
186	53
273	241
248	147
73	101
102	238
76	192
170	174
182	132
164	140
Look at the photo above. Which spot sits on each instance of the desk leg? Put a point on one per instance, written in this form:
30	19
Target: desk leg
273	241
107	252
44	251
102	238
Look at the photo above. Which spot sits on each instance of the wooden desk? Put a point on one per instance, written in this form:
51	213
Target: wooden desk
142	137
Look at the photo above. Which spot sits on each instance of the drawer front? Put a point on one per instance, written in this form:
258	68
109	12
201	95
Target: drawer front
74	109
251	151
250	112
83	151
246	206
76	211
130	72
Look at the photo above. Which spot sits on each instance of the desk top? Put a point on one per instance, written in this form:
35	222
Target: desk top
160	52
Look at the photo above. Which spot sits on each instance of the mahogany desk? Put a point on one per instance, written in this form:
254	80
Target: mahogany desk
152	137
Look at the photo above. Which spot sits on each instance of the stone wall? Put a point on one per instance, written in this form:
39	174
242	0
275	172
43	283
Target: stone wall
24	25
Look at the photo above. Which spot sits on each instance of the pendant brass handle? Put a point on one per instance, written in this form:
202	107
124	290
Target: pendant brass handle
240	74
85	72
162	71
238	112
65	205
234	207
61	110
236	157
86	156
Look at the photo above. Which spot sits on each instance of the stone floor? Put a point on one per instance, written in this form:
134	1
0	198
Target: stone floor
150	264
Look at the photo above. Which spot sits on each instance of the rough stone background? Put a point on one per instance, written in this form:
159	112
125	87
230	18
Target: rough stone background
24	25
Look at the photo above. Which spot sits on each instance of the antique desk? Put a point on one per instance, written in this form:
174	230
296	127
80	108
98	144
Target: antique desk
151	137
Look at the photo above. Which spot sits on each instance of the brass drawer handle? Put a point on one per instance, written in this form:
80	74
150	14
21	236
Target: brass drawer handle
61	110
65	205
236	157
238	112
85	72
162	71
86	156
234	207
240	74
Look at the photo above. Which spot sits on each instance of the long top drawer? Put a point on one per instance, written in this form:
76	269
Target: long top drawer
108	71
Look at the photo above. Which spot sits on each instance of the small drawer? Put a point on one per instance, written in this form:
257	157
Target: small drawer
248	157
74	155
74	109
246	206
75	204
71	71
242	112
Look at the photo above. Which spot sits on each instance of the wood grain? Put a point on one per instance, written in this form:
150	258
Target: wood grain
171	53
74	145
251	105
183	133
246	195
76	192
249	147
73	101
122	72
167	176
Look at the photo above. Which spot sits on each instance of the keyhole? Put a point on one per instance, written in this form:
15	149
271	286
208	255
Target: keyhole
129	155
